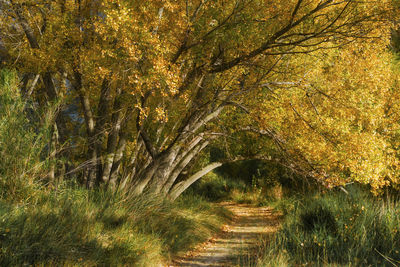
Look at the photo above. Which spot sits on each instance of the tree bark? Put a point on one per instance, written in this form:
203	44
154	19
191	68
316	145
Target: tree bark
92	163
139	185
180	187
182	165
112	141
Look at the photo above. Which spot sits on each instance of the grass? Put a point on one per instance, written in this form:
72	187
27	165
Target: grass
216	188
78	227
335	229
23	140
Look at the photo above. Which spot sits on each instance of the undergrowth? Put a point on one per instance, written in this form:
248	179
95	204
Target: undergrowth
215	188
76	226
23	140
335	229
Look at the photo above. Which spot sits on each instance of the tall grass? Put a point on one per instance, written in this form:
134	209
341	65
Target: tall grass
22	141
76	226
336	228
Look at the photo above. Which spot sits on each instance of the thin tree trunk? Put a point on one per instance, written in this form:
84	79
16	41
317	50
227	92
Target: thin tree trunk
102	121
139	186
182	165
180	187
112	141
90	127
131	168
117	161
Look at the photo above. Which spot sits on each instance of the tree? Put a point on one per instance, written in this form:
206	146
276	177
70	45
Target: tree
341	119
157	79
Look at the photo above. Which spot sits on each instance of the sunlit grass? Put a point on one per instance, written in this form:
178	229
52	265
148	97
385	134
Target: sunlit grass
74	226
336	229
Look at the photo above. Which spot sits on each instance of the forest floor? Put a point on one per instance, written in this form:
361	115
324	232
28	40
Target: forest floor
249	225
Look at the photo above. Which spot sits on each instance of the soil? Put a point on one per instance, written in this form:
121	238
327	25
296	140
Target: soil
249	225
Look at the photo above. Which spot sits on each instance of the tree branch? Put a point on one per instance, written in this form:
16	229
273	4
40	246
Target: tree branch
178	189
266	45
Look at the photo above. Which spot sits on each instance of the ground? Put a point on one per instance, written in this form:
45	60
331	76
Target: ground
249	225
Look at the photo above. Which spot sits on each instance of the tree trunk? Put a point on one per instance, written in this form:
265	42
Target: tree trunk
182	165
166	163
92	164
180	187
139	185
112	141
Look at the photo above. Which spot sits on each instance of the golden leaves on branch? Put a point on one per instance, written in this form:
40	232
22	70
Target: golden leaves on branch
337	106
340	116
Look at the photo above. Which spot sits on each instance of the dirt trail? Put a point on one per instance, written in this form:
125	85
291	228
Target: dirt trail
249	225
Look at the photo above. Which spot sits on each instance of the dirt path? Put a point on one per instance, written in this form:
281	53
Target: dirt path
249	225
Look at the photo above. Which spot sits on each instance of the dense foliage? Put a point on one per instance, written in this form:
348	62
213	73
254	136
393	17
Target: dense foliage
141	89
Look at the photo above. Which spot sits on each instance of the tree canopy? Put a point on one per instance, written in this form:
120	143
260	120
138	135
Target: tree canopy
144	87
